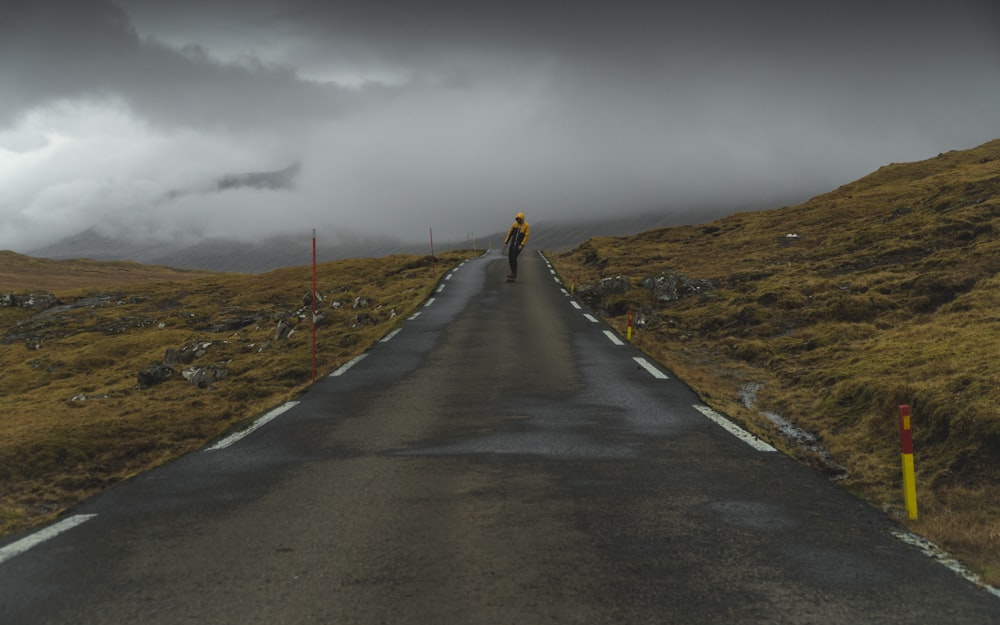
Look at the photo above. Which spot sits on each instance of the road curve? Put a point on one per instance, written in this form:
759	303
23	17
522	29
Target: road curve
504	458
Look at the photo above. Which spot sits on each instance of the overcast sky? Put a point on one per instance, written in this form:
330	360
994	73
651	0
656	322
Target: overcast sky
404	115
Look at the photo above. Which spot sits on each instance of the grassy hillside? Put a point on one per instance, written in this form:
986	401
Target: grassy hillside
24	273
831	314
74	418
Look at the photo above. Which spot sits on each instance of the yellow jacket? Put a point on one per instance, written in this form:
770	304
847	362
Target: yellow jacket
519	232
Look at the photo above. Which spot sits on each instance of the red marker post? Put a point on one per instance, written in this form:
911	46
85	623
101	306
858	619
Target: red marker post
906	447
314	308
629	325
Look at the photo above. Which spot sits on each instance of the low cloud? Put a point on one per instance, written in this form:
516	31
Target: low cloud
125	117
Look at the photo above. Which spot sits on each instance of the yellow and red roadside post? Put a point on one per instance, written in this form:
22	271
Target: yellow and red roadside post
630	325
906	447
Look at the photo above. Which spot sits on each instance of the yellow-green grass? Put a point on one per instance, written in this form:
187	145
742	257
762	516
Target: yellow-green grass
888	295
25	273
73	419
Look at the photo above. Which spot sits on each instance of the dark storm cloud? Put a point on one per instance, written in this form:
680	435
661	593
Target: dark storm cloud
54	50
404	115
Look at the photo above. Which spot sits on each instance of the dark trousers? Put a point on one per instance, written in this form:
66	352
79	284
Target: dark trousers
512	258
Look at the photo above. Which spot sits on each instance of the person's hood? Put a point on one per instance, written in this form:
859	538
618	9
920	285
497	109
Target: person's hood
521	215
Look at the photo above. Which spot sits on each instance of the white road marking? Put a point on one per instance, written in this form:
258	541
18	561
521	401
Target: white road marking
414	315
611	337
429	302
388	337
590	318
267	418
653	371
565	292
440	288
576	305
347	365
734	429
448	277
940	555
17	548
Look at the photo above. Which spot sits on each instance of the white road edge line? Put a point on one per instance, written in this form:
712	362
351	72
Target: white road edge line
440	288
388	337
17	548
940	555
653	371
575	305
256	425
611	337
590	317
734	429
414	315
429	302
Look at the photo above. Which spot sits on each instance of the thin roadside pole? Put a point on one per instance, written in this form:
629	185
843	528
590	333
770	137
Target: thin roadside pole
906	447
314	309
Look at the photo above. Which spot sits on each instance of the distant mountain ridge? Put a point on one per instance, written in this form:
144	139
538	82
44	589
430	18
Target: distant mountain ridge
287	250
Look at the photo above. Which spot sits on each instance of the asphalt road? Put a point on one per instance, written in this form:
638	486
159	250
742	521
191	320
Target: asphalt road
499	460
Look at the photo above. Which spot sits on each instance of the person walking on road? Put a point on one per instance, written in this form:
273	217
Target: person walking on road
517	238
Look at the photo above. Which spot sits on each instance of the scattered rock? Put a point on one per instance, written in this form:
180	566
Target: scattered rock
202	377
84	397
307	299
364	319
595	293
593	260
187	354
670	287
154	374
361	302
34	301
283	330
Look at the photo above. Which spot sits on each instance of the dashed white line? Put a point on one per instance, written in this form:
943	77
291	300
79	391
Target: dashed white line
590	318
414	315
347	365
576	305
429	302
734	429
17	548
653	371
270	416
440	288
388	337
611	337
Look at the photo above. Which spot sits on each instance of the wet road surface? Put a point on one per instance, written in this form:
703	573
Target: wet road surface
499	460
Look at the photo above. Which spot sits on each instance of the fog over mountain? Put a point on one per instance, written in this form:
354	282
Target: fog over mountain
176	123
